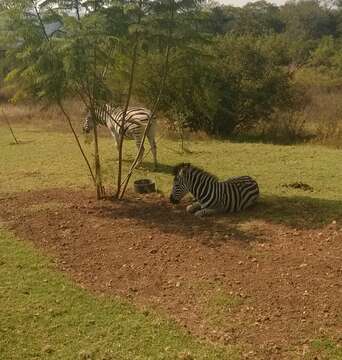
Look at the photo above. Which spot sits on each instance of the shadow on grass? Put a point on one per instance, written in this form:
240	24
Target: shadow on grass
21	142
296	211
146	165
269	139
161	168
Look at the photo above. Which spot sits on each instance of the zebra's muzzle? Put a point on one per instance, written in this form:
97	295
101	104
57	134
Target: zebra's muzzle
173	200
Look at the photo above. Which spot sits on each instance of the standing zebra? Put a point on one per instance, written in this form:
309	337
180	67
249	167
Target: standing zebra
212	196
136	120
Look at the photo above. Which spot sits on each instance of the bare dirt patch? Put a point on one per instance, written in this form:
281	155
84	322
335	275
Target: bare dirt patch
268	288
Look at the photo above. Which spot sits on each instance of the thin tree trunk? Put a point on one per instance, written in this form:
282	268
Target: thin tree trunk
182	138
100	191
130	87
99	186
77	141
10	127
40	20
97	177
154	108
77	7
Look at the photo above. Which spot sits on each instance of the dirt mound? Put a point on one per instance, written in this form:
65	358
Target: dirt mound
266	287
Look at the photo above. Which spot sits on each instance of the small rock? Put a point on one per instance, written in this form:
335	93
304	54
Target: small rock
47	349
185	356
305	349
322	330
249	355
85	355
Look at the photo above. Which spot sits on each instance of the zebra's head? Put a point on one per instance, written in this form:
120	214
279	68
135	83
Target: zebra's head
180	188
88	123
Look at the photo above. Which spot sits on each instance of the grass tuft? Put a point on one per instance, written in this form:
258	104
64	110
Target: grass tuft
219	306
323	349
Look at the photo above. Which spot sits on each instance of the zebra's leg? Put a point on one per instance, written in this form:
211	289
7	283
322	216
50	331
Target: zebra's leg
116	138
142	152
193	207
153	145
207	212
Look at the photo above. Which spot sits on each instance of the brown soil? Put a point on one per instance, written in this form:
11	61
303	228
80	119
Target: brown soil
269	288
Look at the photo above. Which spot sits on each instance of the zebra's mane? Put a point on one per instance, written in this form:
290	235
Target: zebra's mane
181	166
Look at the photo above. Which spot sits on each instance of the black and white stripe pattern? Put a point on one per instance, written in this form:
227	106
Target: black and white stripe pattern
136	120
213	196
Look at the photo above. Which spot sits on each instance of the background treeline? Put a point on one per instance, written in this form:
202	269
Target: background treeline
262	70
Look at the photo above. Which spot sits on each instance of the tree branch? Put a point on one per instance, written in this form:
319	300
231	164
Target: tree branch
9	125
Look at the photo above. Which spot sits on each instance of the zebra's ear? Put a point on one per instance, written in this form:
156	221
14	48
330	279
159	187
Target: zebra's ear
185	166
179	169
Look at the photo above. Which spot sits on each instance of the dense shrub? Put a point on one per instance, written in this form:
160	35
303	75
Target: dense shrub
230	83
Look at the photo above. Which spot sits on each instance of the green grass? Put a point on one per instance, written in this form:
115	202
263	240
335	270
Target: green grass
224	301
48	159
44	316
324	349
219	306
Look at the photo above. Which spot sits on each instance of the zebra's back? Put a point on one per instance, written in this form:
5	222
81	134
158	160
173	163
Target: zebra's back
136	120
239	193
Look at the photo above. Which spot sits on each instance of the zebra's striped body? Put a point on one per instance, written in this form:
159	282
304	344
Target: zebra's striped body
213	196
136	120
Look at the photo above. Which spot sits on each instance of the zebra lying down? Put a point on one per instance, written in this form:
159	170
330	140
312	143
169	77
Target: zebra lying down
212	196
136	120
